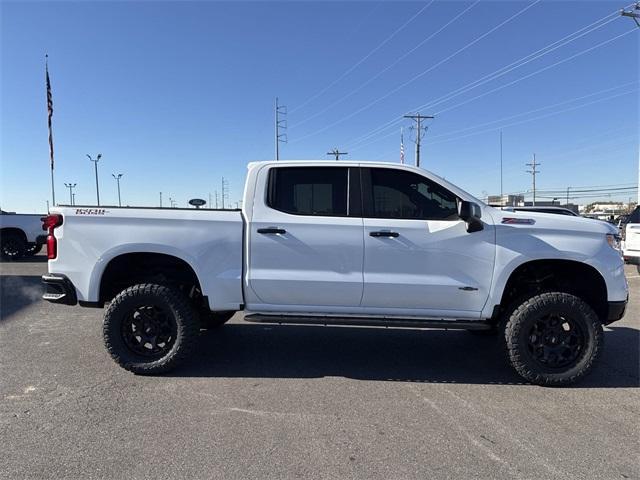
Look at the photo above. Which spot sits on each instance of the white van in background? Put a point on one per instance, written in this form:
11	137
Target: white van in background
631	236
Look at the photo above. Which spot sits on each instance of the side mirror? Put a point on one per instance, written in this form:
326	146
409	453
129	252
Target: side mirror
471	213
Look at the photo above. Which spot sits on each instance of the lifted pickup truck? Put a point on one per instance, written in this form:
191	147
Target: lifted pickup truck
349	243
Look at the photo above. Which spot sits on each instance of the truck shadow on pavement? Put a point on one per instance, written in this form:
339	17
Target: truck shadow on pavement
18	292
31	259
262	351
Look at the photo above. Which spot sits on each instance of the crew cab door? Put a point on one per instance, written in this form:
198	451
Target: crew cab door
419	258
305	239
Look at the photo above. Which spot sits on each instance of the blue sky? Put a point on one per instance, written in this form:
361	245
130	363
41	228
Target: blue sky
176	95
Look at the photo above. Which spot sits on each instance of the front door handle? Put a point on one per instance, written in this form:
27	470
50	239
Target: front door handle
384	233
272	230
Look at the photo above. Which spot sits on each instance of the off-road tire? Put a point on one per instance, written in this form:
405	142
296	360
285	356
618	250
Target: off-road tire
211	320
518	333
177	307
12	246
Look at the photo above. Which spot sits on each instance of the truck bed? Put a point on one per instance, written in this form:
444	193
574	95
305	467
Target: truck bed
210	241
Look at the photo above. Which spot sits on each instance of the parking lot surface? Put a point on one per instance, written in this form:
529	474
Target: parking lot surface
258	401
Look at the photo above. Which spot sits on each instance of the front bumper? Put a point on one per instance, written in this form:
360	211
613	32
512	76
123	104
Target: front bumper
616	311
59	289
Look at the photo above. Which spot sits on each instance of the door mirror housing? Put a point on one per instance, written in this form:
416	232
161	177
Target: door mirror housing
470	213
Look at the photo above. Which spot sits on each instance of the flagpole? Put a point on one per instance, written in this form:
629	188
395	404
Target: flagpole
49	115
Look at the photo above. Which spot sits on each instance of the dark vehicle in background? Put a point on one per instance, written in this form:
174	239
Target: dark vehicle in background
21	235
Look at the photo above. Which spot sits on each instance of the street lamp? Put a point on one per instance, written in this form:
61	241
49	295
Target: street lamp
95	162
70	186
118	177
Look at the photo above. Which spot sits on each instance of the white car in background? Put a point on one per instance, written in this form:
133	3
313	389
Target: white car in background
631	236
20	234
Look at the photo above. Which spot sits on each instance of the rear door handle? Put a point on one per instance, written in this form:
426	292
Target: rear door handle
384	233
272	230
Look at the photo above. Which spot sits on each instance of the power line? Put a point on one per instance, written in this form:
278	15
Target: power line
539	71
416	77
359	62
386	69
455	132
497	73
520	122
546	115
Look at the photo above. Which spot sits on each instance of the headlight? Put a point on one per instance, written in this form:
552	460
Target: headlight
614	241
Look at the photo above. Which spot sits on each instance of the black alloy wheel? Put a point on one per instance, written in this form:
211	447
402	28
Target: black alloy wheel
149	330
556	341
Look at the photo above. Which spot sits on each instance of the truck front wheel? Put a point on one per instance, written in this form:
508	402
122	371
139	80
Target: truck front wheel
553	339
150	329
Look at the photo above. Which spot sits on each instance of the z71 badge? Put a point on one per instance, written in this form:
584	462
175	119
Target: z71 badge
90	211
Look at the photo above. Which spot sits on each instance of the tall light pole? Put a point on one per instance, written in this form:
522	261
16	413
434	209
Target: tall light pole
95	163
118	177
70	186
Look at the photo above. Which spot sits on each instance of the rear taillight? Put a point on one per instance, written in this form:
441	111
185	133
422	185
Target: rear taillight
49	223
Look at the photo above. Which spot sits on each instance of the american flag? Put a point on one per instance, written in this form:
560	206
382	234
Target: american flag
401	146
49	113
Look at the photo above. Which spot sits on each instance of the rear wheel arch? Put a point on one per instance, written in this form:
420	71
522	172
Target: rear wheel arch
128	269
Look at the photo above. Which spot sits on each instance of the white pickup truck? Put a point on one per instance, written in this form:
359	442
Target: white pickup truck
20	235
348	243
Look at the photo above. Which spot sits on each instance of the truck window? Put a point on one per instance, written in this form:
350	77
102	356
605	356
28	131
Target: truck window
309	190
406	195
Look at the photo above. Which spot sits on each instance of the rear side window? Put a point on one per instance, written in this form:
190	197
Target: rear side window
309	190
407	195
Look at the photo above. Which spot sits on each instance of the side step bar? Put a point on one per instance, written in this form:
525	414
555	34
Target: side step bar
368	321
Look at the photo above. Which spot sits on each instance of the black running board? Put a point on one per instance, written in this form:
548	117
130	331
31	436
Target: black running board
368	321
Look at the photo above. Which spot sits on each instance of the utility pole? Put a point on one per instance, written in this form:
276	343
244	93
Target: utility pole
335	152
70	186
160	199
73	198
95	163
280	123
225	191
501	193
635	13
420	131
118	177
533	172
216	197
210	206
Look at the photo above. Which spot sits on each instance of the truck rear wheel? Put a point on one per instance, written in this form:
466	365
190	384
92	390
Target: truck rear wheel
12	246
150	329
553	339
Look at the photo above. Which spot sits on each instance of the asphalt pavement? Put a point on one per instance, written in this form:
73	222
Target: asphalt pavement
259	401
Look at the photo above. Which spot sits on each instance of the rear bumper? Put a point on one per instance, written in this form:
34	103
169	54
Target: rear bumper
59	289
616	311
